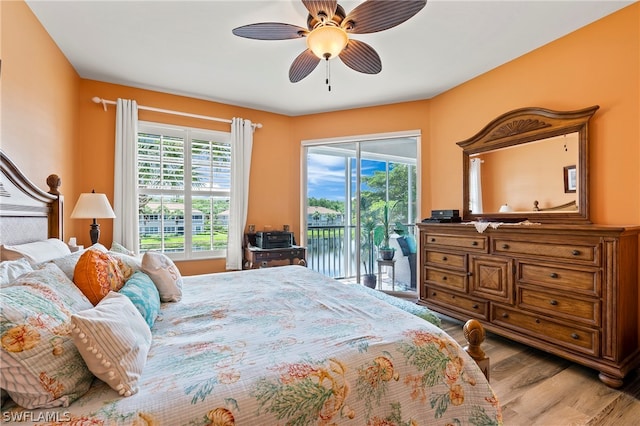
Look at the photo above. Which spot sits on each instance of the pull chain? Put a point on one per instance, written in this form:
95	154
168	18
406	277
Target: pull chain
328	72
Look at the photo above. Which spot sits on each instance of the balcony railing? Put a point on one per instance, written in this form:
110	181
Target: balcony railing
331	250
325	249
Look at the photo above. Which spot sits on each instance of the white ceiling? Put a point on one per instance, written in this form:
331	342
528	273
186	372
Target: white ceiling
187	48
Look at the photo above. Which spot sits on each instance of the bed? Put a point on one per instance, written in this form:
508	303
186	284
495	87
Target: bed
273	346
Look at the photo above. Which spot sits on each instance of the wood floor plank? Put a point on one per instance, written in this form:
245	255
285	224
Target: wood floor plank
537	388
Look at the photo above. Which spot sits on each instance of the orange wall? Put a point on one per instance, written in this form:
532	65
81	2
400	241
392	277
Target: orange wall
54	126
38	105
96	129
596	65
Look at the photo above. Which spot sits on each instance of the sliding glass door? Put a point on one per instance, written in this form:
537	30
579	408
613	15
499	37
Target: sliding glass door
360	196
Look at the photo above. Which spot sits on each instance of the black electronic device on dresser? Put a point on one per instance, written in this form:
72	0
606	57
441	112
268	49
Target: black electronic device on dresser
444	216
274	239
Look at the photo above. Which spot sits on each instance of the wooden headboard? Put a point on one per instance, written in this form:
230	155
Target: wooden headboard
570	206
27	213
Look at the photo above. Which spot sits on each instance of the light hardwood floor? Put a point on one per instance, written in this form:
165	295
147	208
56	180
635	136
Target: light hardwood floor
537	388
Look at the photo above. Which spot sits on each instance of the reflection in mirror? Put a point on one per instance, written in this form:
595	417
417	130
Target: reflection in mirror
529	163
513	179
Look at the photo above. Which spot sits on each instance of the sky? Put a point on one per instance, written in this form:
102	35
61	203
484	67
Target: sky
325	175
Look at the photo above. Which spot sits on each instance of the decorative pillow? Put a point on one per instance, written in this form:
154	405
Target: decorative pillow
97	274
128	264
144	295
119	248
12	269
165	275
411	242
68	263
114	341
39	363
404	246
36	252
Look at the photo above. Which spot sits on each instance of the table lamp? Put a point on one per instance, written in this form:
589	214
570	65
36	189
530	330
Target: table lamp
93	206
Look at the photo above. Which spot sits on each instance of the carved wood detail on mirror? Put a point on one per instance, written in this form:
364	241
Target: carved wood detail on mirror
521	157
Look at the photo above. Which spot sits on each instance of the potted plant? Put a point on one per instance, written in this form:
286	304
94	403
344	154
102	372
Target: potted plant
369	277
386	252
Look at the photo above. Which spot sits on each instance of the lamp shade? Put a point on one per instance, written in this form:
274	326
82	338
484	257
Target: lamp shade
92	206
327	41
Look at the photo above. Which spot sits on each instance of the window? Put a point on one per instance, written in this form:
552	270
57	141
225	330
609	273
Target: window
184	179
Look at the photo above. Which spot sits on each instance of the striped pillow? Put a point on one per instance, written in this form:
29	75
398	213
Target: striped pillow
114	341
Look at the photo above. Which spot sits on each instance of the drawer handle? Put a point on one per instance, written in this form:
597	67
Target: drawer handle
553	302
444	258
433	240
475	306
575	252
505	246
474	243
469	273
433	293
505	315
575	336
444	278
537	321
553	275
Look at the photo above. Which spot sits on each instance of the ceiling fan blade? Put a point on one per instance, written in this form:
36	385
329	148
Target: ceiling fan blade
361	57
328	7
303	65
378	15
270	31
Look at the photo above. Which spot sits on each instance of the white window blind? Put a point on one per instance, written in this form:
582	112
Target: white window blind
184	188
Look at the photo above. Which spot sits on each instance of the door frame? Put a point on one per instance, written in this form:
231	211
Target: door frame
305	144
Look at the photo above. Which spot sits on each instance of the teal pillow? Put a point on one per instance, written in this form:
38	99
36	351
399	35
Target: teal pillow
144	295
411	242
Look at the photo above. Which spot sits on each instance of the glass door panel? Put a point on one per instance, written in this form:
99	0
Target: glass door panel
351	188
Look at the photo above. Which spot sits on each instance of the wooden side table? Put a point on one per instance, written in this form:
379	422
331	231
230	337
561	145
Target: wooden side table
392	264
255	257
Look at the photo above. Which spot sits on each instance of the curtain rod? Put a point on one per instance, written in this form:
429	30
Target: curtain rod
104	103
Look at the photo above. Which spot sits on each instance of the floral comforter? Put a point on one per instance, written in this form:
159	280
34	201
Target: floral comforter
288	346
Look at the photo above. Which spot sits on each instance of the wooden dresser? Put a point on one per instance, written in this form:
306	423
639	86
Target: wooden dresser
571	290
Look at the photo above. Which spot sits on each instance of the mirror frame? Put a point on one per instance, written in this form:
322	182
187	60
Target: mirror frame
526	125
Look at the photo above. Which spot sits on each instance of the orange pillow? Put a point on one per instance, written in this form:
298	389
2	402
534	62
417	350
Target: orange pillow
96	274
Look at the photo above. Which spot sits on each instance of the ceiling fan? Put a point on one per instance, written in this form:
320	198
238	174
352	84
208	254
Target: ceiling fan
328	29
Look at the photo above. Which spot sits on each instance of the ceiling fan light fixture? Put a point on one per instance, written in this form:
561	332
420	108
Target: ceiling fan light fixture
327	41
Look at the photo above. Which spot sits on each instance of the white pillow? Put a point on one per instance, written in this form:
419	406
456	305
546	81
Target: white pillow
164	274
114	340
36	252
119	248
12	269
68	263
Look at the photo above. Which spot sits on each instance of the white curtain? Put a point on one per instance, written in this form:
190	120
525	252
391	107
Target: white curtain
241	145
125	188
475	186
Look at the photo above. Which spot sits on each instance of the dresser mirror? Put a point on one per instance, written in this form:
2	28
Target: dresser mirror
530	163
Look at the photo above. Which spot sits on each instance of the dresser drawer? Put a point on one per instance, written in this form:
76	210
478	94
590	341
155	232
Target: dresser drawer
583	252
539	326
279	254
564	306
465	305
448	279
584	281
469	243
446	260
